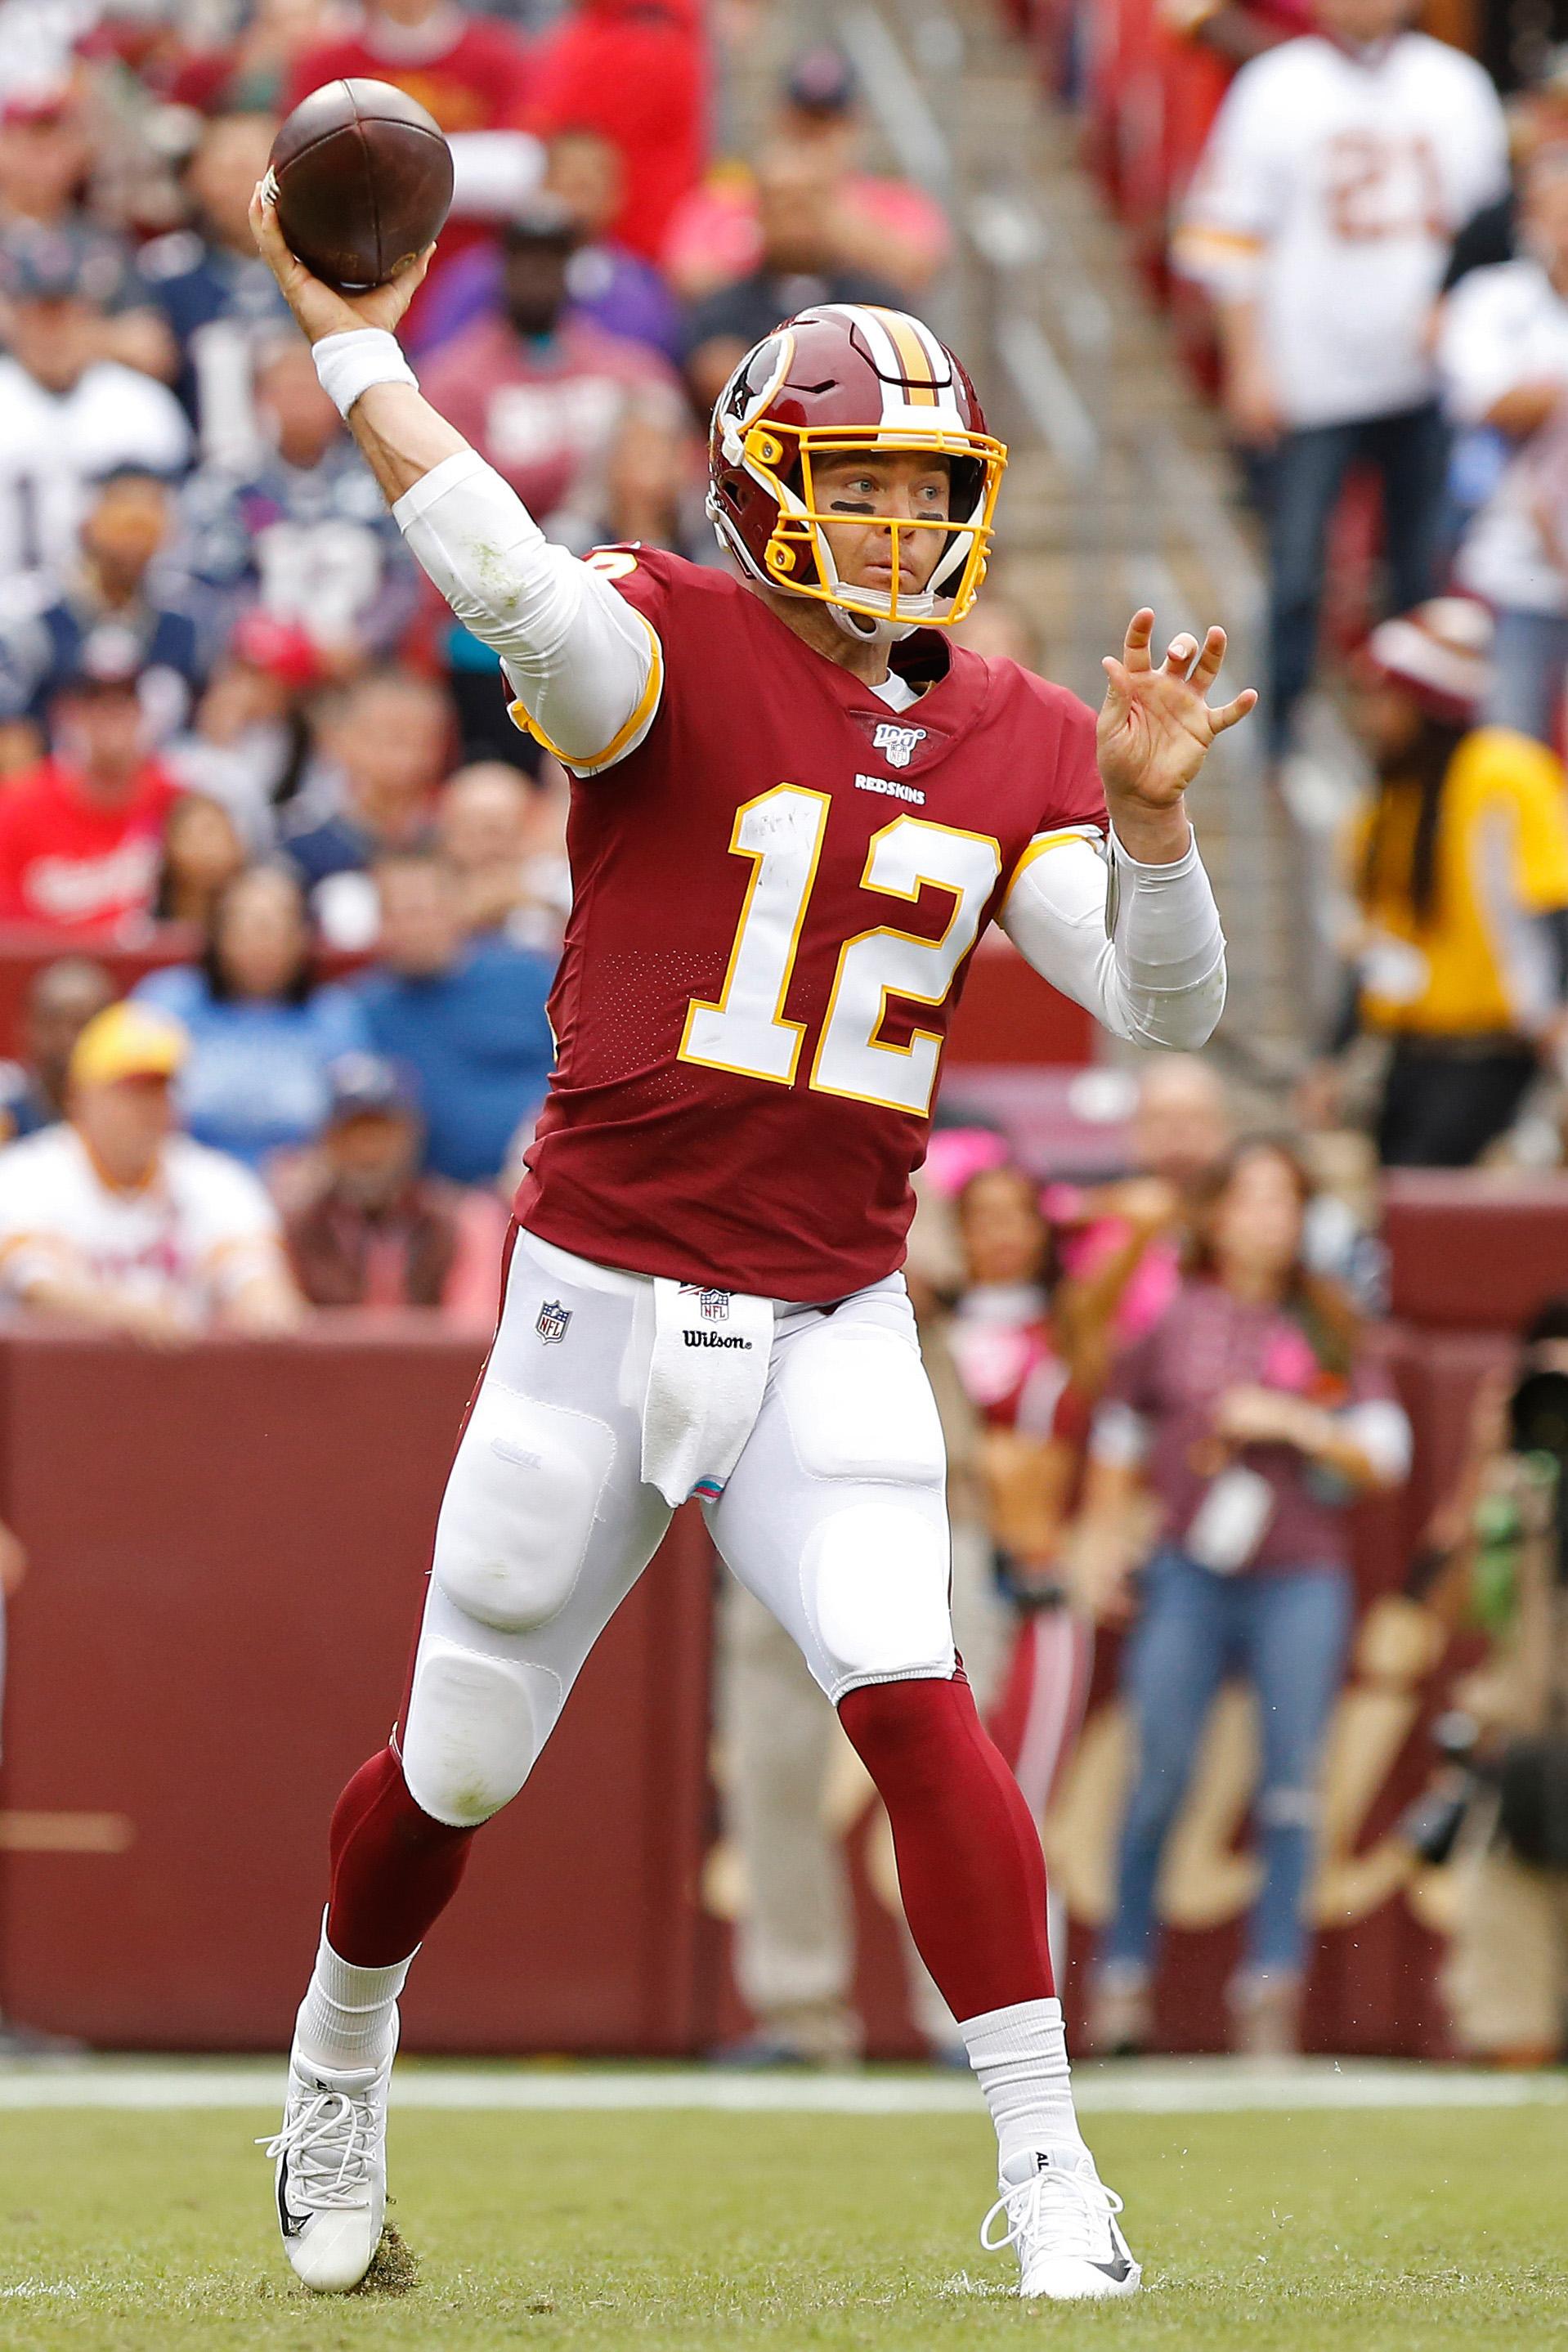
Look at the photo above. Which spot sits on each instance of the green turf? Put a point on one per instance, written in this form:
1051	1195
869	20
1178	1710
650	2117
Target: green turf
1387	2233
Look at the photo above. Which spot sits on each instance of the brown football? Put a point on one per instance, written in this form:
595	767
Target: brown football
362	180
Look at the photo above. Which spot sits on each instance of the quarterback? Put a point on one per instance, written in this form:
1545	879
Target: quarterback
795	805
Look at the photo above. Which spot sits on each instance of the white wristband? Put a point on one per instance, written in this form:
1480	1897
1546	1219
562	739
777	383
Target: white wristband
348	364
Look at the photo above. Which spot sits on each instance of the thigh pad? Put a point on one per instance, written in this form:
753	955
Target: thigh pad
519	1510
860	1406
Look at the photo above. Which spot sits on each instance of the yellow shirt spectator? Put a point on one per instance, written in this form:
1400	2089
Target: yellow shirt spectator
1452	946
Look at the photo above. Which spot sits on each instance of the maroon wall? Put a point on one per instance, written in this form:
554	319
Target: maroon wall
226	1547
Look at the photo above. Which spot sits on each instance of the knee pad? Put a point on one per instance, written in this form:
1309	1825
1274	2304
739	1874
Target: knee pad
519	1508
475	1727
875	1576
860	1406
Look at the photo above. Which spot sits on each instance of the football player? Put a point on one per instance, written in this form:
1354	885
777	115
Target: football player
795	805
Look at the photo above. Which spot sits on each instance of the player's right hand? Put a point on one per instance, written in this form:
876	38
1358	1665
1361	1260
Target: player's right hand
320	308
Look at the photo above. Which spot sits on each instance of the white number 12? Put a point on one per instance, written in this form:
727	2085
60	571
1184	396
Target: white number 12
745	1031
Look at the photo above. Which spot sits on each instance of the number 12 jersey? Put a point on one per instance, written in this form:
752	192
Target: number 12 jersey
775	897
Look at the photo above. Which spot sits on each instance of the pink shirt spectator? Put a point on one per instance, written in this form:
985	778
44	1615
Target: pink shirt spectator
714	237
1159	1408
545	416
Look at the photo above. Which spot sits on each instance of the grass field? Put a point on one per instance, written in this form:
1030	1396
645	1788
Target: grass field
1306	2232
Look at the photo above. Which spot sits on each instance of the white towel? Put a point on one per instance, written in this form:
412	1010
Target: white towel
705	1382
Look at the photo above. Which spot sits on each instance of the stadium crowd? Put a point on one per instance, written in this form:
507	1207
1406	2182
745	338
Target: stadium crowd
246	755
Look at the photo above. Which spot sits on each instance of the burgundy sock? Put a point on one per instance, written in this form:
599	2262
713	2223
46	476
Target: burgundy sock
394	1869
970	1867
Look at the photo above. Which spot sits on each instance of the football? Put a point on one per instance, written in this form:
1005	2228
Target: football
363	181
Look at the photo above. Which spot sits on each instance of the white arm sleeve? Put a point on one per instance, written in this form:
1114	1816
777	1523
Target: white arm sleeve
585	667
1137	946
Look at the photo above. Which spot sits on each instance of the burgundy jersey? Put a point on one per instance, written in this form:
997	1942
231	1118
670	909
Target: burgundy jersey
775	899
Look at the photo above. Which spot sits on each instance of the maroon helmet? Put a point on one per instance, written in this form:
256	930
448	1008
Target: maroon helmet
847	375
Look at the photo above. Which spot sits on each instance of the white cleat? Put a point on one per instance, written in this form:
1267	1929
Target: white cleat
1062	2219
330	2156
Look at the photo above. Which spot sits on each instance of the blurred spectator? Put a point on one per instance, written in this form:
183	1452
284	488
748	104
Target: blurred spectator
1459	870
1238	30
114	584
79	834
544	395
1001	1342
67	414
253	69
249	739
202	854
114	1218
214	289
1002	627
1504	355
606	281
304	531
467	1016
888	228
369	1230
1124	1260
263	1033
502	838
1252	1416
62	997
1340	167
541	392
635	71
385	737
46	159
797	264
473	74
1495	1566
1033	1426
1538	120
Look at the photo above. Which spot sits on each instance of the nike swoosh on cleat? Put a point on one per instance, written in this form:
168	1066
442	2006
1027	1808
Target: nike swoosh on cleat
293	2223
1121	2268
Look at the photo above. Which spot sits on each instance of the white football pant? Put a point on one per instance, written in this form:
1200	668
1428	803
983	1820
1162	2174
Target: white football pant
835	1515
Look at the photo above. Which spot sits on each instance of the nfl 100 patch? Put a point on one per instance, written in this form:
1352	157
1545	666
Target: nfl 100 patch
552	1320
897	744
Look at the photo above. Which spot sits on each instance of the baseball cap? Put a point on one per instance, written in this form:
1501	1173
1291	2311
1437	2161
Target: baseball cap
284	648
128	1041
1442	651
368	1086
822	81
57	265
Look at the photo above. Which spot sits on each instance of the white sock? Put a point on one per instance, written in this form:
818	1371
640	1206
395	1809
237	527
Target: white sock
1020	2059
346	2017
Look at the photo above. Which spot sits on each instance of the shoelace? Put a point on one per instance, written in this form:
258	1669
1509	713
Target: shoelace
329	2142
1082	2216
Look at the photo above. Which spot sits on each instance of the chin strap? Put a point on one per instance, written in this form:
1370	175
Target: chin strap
867	631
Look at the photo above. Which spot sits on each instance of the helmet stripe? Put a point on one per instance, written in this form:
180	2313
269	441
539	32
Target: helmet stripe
917	365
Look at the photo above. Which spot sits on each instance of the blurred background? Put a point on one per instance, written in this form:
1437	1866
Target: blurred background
1270	302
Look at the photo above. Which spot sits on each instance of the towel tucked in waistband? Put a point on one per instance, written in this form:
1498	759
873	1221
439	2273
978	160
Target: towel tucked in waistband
705	1380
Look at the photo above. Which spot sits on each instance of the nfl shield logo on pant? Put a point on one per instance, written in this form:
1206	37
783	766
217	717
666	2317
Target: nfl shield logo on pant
552	1320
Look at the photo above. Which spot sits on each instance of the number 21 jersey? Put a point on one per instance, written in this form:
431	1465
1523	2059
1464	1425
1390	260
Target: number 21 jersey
775	897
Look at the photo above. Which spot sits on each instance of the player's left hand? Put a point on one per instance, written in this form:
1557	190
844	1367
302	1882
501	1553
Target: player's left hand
1156	726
